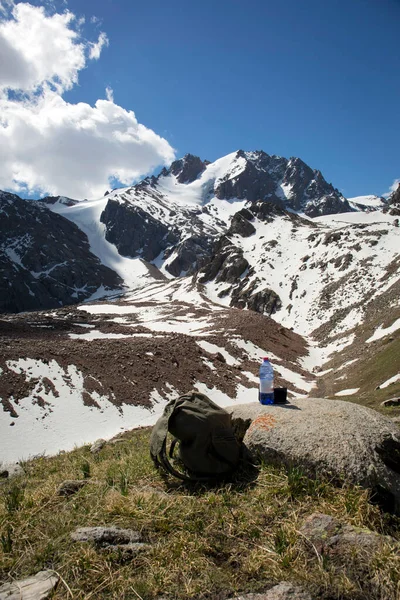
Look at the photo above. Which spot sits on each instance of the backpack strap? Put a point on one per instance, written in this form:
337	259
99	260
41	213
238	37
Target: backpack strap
162	461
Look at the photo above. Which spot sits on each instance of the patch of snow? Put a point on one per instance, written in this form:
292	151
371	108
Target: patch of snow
108	309
381	332
65	421
98	335
374	202
13	256
254	352
294	378
347	364
208	363
390	381
348	392
319	355
321	373
86	215
243	395
213	349
251	377
356	217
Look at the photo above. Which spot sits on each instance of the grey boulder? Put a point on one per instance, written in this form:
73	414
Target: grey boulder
126	541
346	441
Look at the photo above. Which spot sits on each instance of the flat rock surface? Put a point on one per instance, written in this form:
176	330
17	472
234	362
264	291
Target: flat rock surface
344	440
106	536
282	591
37	587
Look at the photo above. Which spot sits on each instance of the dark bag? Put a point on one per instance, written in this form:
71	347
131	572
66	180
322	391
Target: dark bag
208	447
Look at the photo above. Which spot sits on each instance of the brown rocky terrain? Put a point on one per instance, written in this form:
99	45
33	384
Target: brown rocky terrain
127	369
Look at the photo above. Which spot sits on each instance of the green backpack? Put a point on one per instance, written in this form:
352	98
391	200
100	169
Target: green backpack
208	447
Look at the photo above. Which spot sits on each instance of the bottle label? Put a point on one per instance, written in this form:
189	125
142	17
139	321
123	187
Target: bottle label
266	386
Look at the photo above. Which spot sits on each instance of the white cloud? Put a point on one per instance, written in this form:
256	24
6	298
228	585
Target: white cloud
73	149
392	188
110	94
37	48
95	49
52	146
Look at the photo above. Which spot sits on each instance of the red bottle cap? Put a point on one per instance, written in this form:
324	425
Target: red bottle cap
265	358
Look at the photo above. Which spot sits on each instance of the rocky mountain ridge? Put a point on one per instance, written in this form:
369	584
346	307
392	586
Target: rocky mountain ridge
183	222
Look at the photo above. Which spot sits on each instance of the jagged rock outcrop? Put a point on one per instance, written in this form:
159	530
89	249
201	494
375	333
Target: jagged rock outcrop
189	255
188	168
394	202
134	231
241	223
257	179
264	301
45	259
60	200
279	180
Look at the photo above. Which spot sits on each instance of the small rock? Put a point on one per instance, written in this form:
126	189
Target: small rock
282	591
10	470
37	587
106	536
391	402
70	487
151	489
318	528
220	357
128	549
97	446
330	537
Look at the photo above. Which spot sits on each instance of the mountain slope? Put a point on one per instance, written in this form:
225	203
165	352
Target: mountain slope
45	260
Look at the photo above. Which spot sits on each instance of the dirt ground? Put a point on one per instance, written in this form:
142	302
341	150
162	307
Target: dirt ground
126	370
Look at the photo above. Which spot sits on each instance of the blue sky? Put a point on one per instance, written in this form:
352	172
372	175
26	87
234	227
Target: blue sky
318	79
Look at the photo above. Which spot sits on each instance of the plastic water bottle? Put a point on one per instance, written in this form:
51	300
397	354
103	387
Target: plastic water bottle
266	393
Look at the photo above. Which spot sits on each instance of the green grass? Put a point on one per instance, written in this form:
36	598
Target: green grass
372	369
204	542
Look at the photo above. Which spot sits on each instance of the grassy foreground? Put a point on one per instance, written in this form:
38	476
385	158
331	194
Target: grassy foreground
204	542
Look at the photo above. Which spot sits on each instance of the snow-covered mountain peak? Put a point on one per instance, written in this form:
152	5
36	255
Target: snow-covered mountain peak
236	224
243	175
